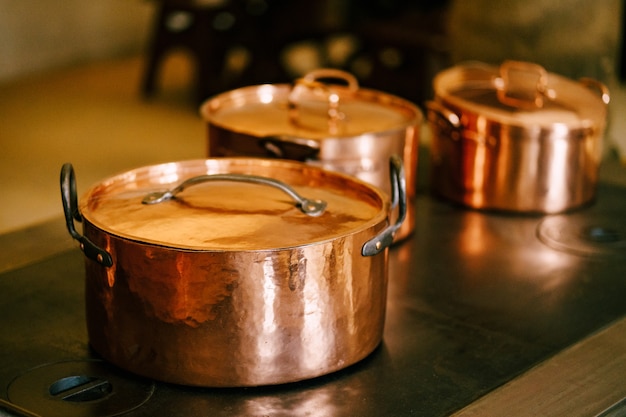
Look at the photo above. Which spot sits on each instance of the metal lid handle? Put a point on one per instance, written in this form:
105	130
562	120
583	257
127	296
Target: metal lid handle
522	85
309	207
312	82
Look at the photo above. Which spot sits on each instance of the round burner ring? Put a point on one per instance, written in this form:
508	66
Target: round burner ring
600	235
79	388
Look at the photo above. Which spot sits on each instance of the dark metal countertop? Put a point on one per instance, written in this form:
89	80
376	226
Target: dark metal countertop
475	300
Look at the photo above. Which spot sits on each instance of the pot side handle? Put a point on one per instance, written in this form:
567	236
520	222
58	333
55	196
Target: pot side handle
599	87
398	199
290	147
437	111
70	209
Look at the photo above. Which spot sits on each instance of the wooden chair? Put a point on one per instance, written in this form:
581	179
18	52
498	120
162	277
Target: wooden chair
210	29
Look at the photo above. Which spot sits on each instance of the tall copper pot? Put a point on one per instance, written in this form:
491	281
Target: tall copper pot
515	137
243	272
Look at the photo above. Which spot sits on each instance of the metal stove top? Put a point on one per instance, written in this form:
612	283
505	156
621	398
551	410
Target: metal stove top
475	300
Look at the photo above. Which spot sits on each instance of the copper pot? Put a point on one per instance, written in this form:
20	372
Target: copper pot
323	119
243	272
515	137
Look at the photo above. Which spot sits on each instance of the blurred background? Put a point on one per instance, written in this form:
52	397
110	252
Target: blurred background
116	84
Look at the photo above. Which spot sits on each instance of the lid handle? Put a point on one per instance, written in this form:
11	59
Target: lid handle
313	86
522	85
398	199
70	209
313	208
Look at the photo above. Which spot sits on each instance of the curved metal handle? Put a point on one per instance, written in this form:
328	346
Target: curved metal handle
311	81
437	109
310	207
599	87
312	78
70	209
522	84
398	198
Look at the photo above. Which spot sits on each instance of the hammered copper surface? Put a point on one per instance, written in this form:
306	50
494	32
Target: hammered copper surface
236	319
242	316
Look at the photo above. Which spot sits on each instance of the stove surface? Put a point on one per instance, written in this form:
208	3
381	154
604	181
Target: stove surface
475	299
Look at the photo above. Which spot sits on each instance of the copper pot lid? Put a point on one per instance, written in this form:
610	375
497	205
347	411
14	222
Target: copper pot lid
312	108
523	94
212	205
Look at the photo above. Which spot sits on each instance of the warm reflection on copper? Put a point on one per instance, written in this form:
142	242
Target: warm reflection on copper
479	162
266	94
166	173
557	170
317	303
266	346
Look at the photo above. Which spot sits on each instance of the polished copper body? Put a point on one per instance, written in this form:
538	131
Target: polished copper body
339	127
515	138
240	317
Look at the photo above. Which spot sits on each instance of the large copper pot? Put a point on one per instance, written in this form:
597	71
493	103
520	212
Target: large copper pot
324	119
234	271
516	138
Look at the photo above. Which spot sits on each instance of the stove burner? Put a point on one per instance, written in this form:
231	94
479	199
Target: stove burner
78	389
601	235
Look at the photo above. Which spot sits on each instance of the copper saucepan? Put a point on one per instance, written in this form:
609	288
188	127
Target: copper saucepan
515	137
325	119
234	271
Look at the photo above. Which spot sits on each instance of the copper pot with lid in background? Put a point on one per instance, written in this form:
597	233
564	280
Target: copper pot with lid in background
234	271
515	137
323	119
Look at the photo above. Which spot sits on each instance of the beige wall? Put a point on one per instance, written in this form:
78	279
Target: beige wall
37	35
